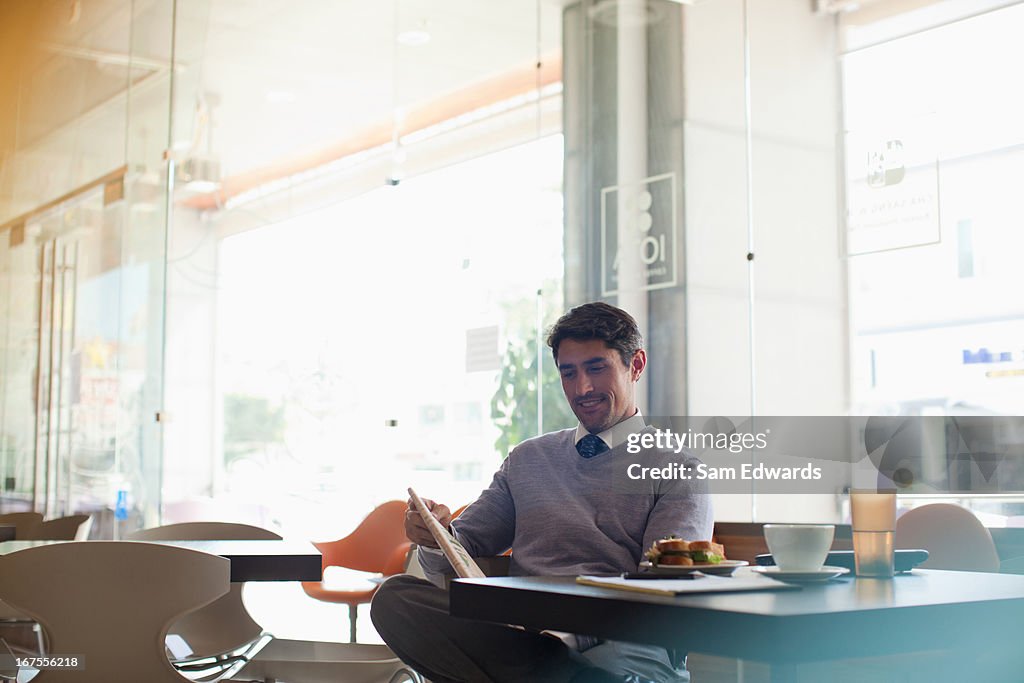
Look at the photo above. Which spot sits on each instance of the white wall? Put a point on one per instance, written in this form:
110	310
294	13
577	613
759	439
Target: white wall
793	359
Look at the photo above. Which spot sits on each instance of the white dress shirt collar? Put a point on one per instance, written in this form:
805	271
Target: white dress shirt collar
617	433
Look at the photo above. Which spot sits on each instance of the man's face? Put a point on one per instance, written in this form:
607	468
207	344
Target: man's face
600	388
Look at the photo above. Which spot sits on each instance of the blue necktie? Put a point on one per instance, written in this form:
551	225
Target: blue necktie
591	445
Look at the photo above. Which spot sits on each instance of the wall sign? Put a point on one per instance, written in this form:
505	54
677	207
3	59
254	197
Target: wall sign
892	191
639	234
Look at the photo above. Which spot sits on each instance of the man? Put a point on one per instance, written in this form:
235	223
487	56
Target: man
556	503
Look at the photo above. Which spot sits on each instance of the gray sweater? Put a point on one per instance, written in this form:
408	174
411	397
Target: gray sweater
563	514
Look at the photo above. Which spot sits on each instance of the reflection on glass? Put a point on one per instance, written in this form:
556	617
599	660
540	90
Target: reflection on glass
335	399
936	328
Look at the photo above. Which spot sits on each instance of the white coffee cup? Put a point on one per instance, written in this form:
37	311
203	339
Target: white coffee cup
799	547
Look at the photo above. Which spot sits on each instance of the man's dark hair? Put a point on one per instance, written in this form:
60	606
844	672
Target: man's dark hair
598	320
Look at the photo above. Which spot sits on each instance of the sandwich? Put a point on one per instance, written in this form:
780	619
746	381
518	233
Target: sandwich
706	552
670	551
676	552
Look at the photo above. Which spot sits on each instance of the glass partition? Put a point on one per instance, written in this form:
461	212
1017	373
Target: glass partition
83	213
380	366
858	270
273	261
932	139
366	244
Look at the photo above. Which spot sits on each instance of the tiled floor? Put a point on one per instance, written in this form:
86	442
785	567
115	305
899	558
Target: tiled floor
284	610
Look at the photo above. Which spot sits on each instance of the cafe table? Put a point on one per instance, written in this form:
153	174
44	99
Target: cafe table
263	560
972	621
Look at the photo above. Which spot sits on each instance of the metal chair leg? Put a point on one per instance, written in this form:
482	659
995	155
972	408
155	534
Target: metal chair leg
406	674
353	613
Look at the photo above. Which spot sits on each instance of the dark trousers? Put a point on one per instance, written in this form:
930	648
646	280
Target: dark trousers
411	615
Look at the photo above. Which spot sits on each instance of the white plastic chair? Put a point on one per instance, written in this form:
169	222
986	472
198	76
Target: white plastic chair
33	528
70	528
111	603
11	617
225	638
952	535
303	661
24	523
8	667
221	637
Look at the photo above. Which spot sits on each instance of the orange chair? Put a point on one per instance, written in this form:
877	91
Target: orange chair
377	545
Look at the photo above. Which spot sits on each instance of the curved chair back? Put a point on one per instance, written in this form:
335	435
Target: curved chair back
70	528
952	535
225	625
25	523
111	602
205	531
372	544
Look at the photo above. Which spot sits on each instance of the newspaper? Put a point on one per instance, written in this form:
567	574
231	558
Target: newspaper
463	564
667	586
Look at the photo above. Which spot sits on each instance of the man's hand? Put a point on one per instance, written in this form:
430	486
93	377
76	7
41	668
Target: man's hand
416	530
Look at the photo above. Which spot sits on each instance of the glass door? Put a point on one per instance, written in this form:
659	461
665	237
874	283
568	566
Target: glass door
20	311
40	265
53	388
62	359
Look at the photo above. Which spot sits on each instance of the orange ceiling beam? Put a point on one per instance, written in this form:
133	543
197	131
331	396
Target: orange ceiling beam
507	85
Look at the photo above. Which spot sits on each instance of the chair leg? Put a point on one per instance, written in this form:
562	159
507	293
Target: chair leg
408	675
353	613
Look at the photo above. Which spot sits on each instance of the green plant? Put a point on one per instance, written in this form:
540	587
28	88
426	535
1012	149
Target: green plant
514	404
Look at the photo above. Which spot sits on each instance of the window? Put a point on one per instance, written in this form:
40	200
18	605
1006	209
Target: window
344	373
933	165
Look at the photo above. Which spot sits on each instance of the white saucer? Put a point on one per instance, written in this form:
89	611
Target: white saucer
823	574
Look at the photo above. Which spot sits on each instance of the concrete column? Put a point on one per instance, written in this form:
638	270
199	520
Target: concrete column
623	117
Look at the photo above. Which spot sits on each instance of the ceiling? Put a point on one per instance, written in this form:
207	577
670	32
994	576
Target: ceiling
256	80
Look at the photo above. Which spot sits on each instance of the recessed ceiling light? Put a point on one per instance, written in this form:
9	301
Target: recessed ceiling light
413	38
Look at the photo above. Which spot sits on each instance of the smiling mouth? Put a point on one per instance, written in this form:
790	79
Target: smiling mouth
589	403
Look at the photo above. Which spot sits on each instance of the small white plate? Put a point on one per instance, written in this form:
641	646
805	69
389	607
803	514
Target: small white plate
824	574
723	568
